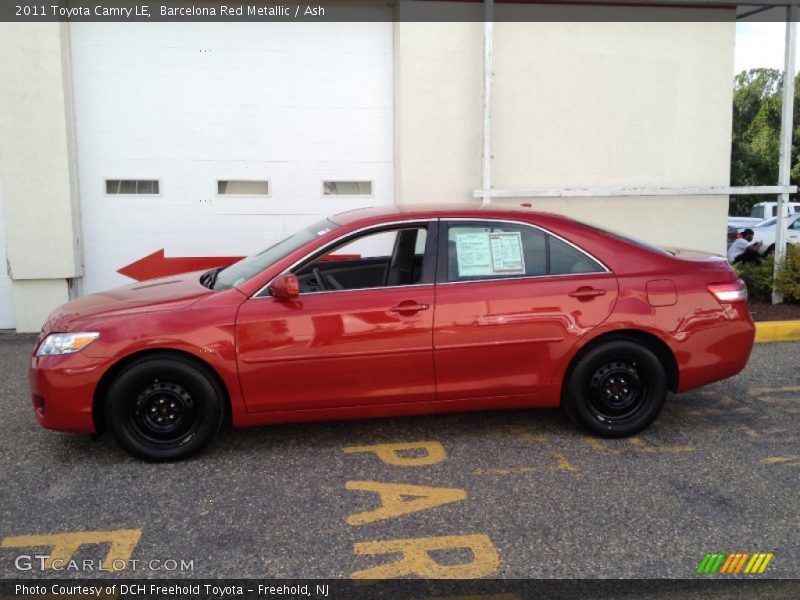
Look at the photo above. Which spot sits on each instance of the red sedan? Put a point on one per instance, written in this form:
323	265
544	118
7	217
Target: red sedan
395	312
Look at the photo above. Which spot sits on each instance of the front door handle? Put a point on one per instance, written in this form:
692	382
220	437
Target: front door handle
409	307
586	293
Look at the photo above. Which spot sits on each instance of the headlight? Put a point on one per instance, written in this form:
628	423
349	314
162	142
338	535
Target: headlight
65	343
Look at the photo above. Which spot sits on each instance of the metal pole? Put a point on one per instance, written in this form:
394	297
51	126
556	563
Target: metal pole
486	152
785	160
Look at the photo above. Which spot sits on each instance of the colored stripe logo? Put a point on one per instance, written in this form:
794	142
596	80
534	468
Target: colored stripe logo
734	563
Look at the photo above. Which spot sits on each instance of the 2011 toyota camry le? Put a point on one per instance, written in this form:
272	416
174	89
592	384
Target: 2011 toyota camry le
396	311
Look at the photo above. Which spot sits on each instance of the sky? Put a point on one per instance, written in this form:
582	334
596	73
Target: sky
759	45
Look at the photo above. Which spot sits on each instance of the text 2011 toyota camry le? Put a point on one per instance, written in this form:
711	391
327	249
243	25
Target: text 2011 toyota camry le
394	312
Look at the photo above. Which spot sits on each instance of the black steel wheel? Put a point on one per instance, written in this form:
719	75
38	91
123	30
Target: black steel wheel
164	411
615	389
164	408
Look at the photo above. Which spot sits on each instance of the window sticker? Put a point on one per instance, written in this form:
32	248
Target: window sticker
507	253
485	254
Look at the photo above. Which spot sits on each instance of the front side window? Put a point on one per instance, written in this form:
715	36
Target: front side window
385	258
239	272
495	250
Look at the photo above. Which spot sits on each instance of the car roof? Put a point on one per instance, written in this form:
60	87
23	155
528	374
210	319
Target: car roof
414	211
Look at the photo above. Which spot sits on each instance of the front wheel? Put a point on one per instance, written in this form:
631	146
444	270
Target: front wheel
164	408
616	389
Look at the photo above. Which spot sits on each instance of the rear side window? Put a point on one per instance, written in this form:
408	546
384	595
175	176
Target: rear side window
566	259
486	250
482	250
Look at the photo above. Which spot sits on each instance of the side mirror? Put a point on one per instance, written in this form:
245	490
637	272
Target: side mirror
285	286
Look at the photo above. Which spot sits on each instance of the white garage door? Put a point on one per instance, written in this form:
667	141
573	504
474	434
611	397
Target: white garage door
6	301
213	139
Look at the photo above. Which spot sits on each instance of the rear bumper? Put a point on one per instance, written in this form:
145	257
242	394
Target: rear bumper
62	390
714	353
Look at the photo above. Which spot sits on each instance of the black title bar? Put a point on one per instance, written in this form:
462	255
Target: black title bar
385	10
251	589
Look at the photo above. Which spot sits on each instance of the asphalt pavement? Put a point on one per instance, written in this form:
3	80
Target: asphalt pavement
511	494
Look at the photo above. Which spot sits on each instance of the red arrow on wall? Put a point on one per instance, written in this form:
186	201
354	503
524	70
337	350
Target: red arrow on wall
157	265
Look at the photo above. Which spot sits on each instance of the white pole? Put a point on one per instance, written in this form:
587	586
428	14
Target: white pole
785	160
486	152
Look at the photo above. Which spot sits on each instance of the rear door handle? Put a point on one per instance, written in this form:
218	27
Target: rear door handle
409	306
586	293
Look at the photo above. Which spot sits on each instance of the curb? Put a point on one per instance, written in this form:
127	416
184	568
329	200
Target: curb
777	331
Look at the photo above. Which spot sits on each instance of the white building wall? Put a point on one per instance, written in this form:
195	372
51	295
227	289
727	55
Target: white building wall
37	163
644	104
6	296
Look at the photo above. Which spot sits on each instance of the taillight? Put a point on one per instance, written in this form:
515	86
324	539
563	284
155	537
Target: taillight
735	291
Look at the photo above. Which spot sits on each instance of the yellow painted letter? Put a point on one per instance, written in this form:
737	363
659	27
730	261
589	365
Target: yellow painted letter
400	499
417	560
64	545
390	453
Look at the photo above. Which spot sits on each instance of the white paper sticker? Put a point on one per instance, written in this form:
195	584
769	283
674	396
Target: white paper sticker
507	253
486	254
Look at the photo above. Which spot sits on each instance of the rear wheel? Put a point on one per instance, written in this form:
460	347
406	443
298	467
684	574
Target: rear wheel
164	408
615	389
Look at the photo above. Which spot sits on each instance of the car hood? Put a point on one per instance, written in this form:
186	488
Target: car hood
166	293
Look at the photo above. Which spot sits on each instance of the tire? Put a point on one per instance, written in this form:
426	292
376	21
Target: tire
769	251
616	389
164	408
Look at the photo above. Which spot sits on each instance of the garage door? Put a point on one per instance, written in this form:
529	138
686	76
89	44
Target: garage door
214	140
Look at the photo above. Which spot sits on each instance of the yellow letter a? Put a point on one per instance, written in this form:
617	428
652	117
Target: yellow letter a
400	499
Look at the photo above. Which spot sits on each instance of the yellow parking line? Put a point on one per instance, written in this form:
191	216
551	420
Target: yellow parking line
772	390
563	464
791	461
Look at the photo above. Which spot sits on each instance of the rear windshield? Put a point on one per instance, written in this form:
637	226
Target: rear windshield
626	238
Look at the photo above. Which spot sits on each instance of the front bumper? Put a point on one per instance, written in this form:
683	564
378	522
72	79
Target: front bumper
62	390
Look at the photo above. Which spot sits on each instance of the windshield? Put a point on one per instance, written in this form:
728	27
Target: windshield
768	223
239	272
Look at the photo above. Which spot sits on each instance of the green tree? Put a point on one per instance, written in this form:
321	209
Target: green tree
756	132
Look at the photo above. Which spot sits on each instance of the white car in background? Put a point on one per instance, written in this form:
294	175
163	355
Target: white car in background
764	232
761	212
